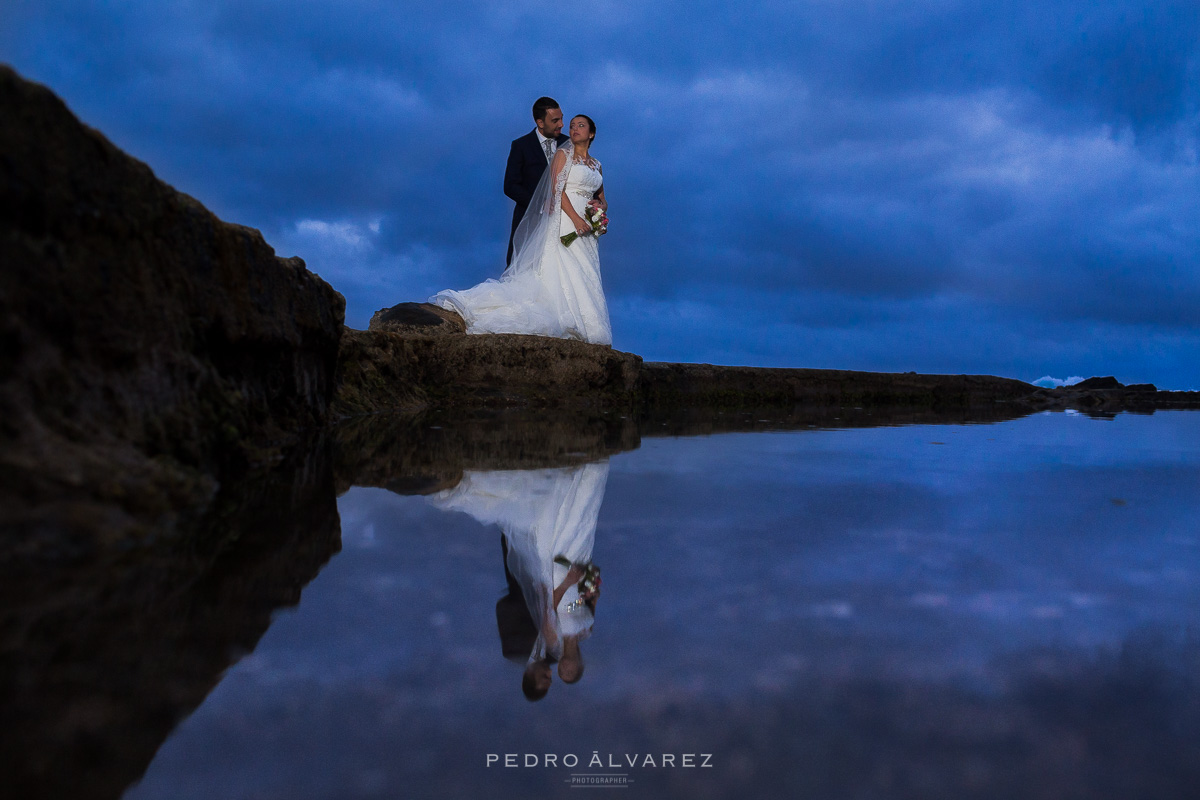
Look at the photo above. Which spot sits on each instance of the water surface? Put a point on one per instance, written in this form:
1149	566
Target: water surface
999	610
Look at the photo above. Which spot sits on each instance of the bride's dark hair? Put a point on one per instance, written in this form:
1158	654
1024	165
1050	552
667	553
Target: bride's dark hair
591	124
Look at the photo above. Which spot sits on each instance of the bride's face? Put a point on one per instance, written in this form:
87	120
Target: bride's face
580	130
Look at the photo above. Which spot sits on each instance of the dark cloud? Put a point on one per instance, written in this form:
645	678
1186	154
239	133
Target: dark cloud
946	186
1134	63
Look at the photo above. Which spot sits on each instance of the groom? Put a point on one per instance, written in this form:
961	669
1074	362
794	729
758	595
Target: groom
528	158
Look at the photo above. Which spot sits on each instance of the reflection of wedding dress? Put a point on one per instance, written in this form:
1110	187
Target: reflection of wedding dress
550	289
544	513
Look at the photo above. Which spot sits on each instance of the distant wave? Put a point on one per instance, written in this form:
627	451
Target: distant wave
1053	383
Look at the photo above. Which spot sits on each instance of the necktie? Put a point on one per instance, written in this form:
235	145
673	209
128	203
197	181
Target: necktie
546	145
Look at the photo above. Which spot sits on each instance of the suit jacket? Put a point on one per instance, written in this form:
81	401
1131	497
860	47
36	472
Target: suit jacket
526	163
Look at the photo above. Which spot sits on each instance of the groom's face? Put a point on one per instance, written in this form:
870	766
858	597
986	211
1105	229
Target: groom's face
551	124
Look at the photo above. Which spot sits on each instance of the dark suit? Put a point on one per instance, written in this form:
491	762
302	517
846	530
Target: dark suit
526	163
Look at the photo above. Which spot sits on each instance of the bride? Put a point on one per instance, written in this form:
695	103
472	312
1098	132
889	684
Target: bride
550	289
549	519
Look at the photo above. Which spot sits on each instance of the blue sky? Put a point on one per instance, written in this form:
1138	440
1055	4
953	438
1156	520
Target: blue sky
940	186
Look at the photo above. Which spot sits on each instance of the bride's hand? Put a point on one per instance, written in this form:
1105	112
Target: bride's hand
582	227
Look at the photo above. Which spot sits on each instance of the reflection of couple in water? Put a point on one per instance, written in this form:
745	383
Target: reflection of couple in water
548	517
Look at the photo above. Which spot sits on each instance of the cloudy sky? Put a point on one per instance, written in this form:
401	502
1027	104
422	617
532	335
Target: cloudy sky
928	185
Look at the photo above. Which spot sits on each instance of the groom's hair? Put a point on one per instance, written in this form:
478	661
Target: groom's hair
542	105
535	683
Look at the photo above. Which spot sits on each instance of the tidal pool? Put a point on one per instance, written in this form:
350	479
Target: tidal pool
990	610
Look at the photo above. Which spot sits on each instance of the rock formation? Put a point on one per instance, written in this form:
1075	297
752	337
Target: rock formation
1108	396
143	341
416	357
381	369
104	649
153	359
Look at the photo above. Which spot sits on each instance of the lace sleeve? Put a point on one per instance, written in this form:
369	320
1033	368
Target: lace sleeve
566	153
542	216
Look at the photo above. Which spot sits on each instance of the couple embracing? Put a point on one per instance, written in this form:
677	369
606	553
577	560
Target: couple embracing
548	520
552	285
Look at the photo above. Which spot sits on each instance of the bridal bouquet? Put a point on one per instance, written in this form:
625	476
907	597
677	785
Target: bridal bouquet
596	217
589	584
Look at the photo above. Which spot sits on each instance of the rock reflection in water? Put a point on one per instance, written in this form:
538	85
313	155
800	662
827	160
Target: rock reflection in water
429	451
848	613
107	642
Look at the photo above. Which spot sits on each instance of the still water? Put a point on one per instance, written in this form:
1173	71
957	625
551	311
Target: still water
991	610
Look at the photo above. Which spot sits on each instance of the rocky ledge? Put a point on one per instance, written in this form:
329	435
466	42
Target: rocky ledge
416	356
144	343
383	370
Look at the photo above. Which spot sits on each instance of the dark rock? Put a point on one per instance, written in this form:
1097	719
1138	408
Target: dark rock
707	386
424	319
407	369
104	650
143	341
1098	383
427	452
380	370
1099	397
384	370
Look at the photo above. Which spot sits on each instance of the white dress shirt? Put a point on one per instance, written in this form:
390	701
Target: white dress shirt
542	143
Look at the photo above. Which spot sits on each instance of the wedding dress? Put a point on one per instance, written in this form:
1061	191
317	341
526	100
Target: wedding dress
550	289
544	513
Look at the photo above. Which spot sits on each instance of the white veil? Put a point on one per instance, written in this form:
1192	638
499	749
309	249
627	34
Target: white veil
541	216
530	297
544	513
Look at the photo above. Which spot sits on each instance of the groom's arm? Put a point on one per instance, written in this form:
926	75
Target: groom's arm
513	187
